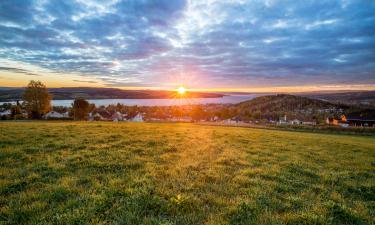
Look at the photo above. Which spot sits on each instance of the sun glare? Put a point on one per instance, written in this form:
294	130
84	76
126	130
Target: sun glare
181	90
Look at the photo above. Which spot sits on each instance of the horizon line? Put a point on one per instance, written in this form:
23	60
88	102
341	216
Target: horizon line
275	90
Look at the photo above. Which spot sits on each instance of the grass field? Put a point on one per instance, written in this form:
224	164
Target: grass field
150	173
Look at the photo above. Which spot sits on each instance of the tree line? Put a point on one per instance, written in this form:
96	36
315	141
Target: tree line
37	103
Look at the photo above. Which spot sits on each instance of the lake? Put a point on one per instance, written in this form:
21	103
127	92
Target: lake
163	102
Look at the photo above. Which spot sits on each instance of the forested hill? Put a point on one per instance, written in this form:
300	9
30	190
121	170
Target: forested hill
365	98
9	94
276	106
283	102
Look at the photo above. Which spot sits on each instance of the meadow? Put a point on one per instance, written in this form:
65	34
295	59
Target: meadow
160	173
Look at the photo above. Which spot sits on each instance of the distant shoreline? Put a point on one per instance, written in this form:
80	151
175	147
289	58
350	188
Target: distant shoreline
227	99
7	95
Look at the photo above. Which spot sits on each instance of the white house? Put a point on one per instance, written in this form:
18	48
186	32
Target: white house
215	118
295	122
230	121
117	117
5	113
283	120
138	118
181	119
95	116
309	123
55	115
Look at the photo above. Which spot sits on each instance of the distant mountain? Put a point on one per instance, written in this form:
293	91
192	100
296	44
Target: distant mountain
11	94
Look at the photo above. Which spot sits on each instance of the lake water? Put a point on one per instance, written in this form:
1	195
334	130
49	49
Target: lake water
162	102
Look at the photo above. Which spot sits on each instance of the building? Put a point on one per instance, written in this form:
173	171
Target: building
353	121
359	121
138	118
181	119
56	115
214	119
6	113
94	116
332	121
104	114
117	117
230	121
295	122
311	123
283	120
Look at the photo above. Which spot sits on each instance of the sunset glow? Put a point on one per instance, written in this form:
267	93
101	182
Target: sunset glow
181	90
207	45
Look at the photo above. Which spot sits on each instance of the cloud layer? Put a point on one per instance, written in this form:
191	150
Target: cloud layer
204	44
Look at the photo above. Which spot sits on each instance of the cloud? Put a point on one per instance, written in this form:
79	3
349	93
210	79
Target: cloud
18	70
216	43
86	81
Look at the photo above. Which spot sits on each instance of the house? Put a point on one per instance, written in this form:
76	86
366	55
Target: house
215	118
137	118
295	122
117	117
186	119
56	115
342	124
311	123
270	120
353	121
6	113
105	115
283	120
332	121
237	119
230	121
154	119
359	121
94	116
181	119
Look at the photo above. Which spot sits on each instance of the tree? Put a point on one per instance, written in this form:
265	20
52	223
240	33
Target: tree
37	99
92	107
81	109
16	111
197	113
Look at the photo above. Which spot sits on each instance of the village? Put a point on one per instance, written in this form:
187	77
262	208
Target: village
218	114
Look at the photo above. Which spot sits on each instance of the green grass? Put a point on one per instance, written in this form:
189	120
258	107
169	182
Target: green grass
150	173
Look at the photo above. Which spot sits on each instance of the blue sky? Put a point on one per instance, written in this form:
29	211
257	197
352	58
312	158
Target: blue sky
212	44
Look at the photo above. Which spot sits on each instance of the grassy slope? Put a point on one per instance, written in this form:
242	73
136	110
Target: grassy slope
132	173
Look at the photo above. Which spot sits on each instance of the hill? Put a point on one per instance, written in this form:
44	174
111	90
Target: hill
11	94
283	102
276	106
153	173
365	98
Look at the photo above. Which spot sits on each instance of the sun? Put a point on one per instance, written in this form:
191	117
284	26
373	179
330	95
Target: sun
181	90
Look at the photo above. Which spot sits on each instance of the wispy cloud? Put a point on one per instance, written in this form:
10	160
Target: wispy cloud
18	70
86	81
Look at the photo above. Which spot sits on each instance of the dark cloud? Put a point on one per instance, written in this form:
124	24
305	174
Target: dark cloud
17	70
247	43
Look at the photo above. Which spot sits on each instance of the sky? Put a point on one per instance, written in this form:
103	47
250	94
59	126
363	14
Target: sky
245	45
